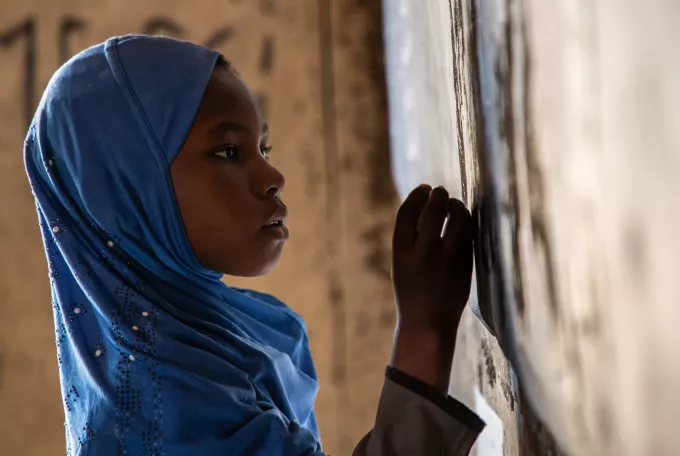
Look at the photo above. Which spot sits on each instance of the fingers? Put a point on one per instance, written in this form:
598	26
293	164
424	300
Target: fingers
406	227
457	242
432	219
459	226
461	265
421	218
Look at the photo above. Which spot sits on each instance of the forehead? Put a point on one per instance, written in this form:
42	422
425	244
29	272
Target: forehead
228	98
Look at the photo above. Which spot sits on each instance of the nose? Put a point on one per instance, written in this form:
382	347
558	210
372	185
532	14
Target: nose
272	181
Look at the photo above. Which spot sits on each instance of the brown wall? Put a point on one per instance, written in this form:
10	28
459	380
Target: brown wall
318	66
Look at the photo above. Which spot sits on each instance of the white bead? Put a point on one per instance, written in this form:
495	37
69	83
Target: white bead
135	328
145	314
98	353
55	229
51	162
132	358
76	310
110	243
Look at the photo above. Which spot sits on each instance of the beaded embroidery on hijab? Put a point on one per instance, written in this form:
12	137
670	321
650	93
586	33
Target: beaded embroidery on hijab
156	355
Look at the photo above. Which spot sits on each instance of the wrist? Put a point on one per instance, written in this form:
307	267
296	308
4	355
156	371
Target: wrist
425	354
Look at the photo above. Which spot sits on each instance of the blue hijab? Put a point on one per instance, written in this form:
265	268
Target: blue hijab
156	355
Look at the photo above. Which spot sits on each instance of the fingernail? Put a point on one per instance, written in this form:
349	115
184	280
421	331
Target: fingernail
424	187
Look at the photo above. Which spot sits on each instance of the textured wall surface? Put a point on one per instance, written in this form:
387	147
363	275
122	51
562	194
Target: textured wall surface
555	121
317	66
433	92
597	220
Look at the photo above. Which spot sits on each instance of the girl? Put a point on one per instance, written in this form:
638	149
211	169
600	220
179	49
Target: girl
149	163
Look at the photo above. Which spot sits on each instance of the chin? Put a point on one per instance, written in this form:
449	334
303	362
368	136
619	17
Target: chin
264	270
262	267
250	262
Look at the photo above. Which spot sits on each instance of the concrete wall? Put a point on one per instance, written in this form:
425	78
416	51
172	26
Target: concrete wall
555	121
601	153
318	68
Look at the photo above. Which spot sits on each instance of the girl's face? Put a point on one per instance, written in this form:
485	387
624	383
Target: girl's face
227	190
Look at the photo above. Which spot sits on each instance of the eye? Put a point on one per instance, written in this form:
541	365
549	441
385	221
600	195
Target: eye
265	151
230	152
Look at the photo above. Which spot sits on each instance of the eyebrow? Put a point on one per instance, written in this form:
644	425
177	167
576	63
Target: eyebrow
224	126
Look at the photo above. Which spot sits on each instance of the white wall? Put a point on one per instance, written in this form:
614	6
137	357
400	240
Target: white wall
434	136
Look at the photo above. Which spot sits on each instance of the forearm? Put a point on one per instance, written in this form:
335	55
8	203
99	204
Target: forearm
425	354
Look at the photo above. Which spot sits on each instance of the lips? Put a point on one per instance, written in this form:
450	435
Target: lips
278	218
274	223
275	227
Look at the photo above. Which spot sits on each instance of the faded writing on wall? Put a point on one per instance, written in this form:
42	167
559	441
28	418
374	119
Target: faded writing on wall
25	34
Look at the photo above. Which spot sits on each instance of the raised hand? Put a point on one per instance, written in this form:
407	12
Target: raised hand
431	277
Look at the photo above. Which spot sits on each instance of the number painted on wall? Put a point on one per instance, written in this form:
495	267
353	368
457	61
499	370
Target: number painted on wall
25	34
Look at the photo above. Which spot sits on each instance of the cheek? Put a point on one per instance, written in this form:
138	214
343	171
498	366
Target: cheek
209	203
224	200
231	215
222	219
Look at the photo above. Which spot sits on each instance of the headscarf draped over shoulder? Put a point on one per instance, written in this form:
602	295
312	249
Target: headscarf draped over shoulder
156	355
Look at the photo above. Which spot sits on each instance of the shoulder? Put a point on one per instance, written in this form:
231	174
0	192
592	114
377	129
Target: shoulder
266	297
272	301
